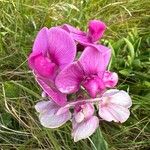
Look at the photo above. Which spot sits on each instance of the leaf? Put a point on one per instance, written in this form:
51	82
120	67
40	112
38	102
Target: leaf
99	141
131	49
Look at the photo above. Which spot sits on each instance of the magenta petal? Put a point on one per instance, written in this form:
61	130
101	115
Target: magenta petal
62	48
94	61
85	129
73	30
94	86
69	79
42	65
110	79
52	91
48	117
76	34
96	29
41	41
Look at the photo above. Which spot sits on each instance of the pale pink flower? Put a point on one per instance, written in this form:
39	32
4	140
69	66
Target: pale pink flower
84	122
47	114
115	105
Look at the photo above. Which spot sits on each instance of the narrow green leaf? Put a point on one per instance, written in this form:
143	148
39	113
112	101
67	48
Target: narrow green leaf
131	49
99	141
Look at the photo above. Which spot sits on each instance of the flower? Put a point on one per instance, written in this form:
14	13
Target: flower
96	29
54	68
53	50
84	122
47	114
115	105
89	71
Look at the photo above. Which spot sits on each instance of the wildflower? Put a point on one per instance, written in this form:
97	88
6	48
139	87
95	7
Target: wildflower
115	105
89	71
96	29
47	114
84	122
53	50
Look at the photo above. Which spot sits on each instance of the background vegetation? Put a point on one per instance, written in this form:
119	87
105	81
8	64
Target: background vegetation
128	35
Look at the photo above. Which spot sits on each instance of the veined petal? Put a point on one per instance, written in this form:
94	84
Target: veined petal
117	97
106	115
49	87
69	79
43	106
112	112
73	30
62	48
94	61
85	129
96	29
49	119
41	41
76	34
121	114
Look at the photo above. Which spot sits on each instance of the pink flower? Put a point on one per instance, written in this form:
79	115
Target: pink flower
47	114
96	29
115	105
84	122
89	71
53	50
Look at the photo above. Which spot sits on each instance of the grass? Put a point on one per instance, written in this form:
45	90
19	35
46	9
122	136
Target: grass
127	34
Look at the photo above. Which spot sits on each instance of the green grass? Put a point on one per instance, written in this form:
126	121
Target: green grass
128	35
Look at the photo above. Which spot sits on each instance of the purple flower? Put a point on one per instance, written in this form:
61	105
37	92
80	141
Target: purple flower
52	51
89	71
54	68
96	29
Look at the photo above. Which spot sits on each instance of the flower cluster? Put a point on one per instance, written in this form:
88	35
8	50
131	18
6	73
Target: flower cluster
62	75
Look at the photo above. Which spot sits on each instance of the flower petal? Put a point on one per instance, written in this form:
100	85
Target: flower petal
110	79
106	115
42	106
94	60
94	86
114	112
49	87
77	34
49	118
96	29
42	65
85	129
69	79
117	97
41	41
62	48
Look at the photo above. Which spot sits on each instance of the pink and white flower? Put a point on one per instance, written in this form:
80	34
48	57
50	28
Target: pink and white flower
54	68
115	105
